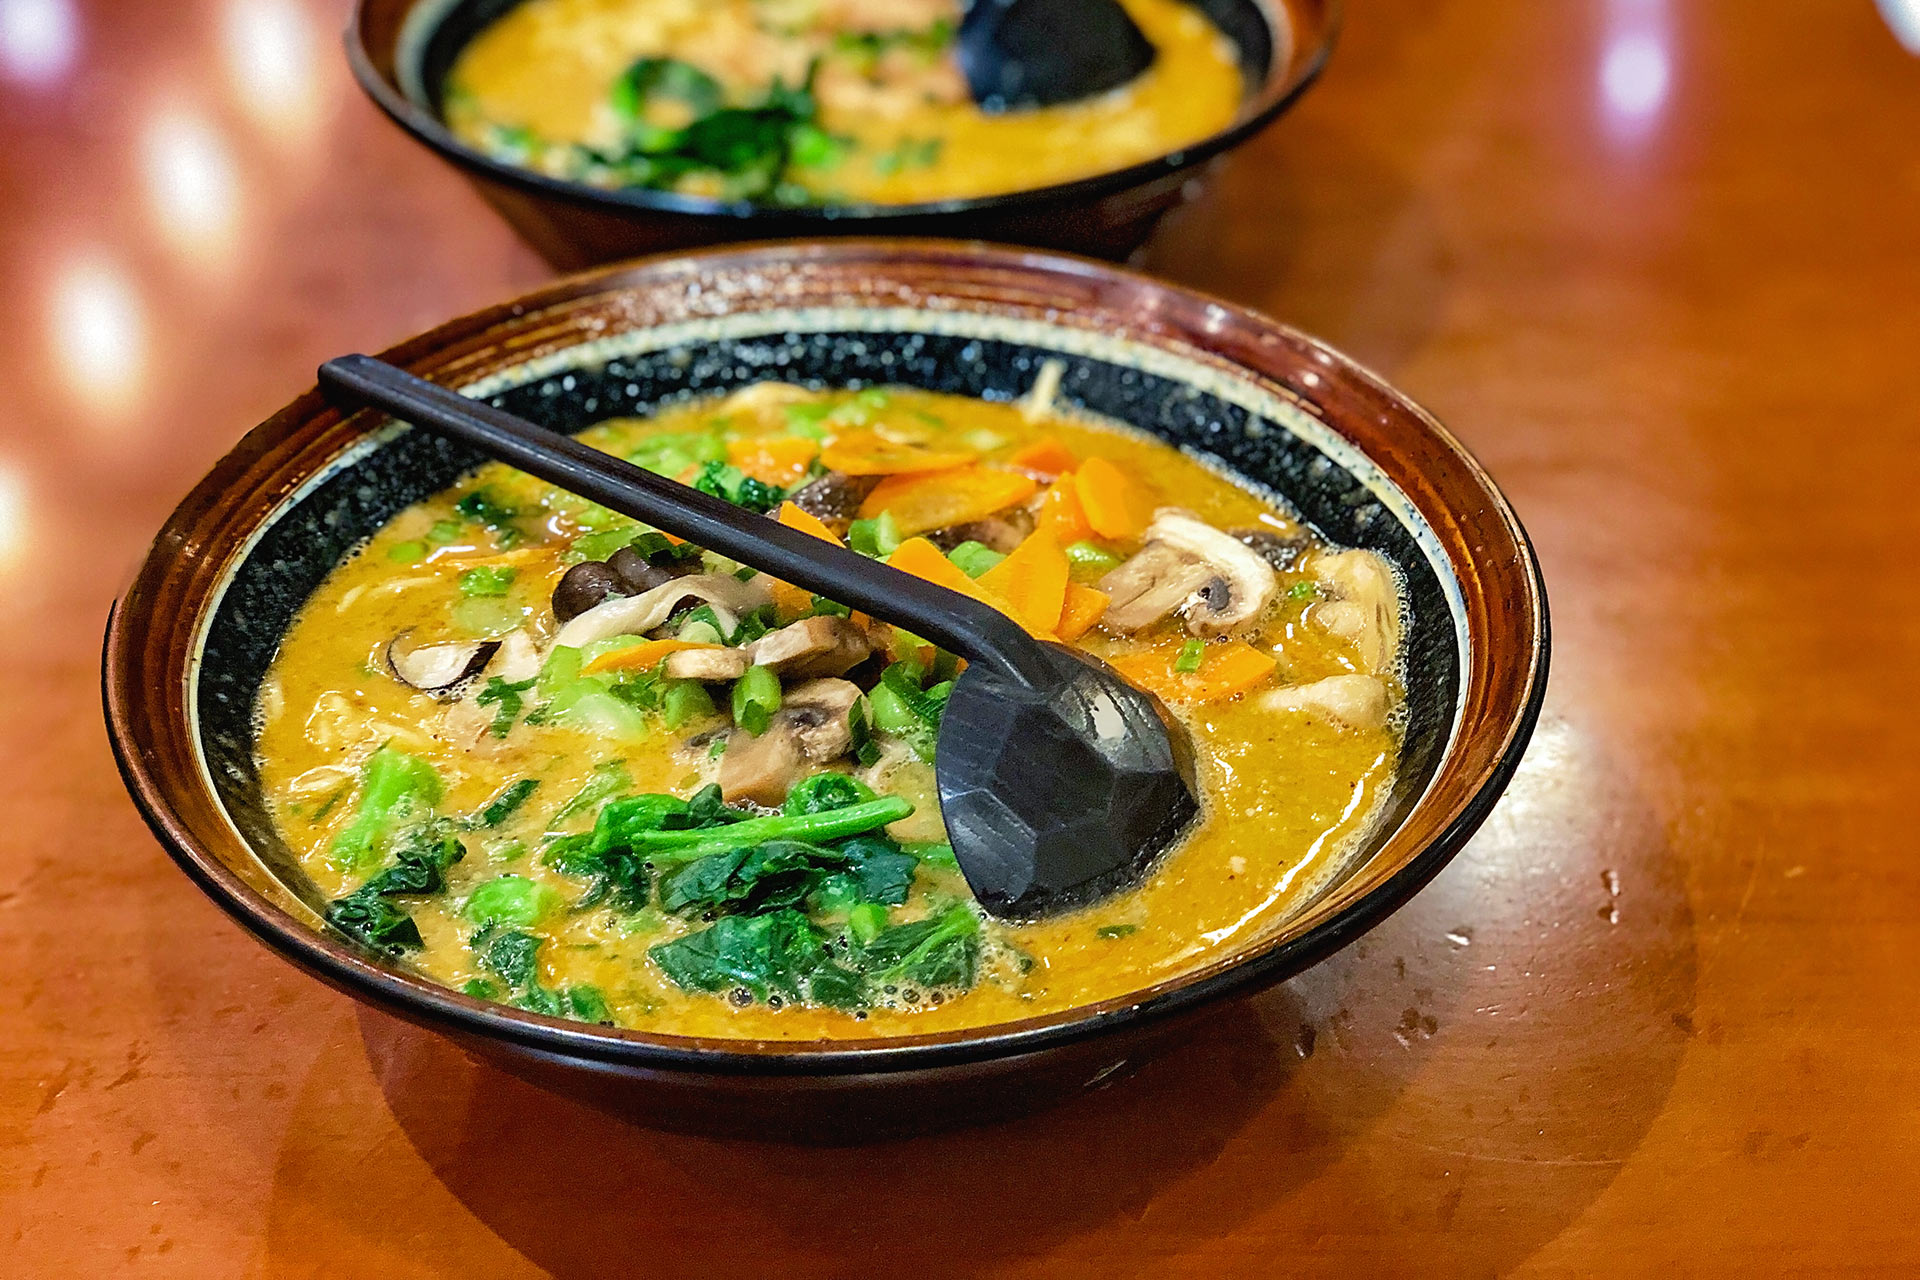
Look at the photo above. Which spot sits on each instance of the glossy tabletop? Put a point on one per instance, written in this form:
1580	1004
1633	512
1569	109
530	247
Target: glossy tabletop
1656	261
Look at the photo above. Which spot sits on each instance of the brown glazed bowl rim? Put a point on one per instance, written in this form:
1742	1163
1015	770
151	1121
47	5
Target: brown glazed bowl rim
1282	87
157	627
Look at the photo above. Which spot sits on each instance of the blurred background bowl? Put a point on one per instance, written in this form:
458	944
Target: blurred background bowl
401	50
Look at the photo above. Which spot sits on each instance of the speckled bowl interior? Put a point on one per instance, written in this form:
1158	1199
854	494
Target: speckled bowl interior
307	488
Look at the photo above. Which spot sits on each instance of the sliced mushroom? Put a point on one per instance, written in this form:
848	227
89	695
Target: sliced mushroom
817	711
820	646
809	728
1002	532
760	768
637	573
584	586
834	499
1188	565
517	659
437	669
1281	550
1362	604
636	615
714	665
1353	702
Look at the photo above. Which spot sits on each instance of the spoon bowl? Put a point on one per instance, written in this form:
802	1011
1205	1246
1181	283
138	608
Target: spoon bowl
1021	54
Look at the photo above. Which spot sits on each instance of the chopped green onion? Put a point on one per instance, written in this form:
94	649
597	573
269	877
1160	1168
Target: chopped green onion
686	700
407	552
877	538
488	580
1192	653
1116	930
1091	555
756	696
974	558
1302	591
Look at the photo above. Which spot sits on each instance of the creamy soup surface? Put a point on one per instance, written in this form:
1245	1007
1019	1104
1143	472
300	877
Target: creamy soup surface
553	758
808	101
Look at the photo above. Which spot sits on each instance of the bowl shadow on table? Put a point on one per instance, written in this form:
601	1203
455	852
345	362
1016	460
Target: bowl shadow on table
520	1157
1459	1113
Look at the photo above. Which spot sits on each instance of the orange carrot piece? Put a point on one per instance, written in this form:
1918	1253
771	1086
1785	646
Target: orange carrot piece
1047	456
1083	607
1225	670
791	602
1061	512
1114	505
867	453
922	559
777	460
936	499
806	522
1033	579
644	656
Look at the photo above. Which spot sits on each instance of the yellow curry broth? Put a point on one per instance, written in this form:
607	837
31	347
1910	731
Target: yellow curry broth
1283	792
548	68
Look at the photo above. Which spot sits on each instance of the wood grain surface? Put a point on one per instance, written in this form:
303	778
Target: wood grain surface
1656	261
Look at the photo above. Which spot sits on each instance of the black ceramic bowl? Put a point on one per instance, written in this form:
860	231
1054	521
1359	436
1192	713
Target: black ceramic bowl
401	51
191	640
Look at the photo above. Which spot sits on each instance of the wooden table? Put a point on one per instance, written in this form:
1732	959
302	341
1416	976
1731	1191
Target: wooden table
1657	261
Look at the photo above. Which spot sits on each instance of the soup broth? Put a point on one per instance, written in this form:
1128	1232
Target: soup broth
808	101
511	737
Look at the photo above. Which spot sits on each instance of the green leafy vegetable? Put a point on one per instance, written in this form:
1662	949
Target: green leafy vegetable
511	900
940	951
375	922
826	791
503	805
724	480
420	863
610	777
506	698
512	955
777	954
482	507
393	786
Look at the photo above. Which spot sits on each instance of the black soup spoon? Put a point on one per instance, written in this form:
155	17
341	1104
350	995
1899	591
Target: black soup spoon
1020	54
1059	782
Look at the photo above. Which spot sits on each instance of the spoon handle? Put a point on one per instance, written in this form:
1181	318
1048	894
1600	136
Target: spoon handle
954	622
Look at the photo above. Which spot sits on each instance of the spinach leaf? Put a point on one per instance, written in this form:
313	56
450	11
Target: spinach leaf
767	877
509	700
610	777
779	954
481	506
503	805
940	951
826	791
375	922
724	480
393	786
512	955
430	849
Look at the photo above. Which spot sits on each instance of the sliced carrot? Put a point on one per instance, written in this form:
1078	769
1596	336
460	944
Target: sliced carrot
791	602
1083	607
1047	456
777	460
644	656
1225	670
1114	505
1061	512
937	499
868	453
795	517
1033	579
922	559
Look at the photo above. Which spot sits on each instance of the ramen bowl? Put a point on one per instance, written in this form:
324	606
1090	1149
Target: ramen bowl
190	642
401	51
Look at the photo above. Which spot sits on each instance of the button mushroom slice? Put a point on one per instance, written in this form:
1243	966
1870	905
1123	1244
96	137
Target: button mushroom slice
834	499
714	665
811	727
437	669
1241	585
817	712
1154	582
1351	702
819	646
636	615
761	768
1362	604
